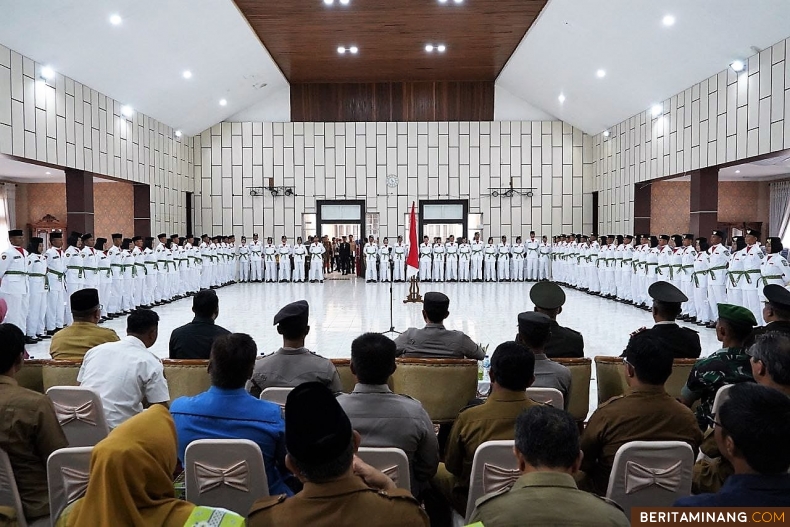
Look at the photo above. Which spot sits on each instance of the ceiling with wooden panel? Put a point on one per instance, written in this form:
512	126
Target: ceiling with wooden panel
302	37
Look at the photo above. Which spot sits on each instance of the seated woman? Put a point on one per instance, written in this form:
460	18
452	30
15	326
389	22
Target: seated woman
131	480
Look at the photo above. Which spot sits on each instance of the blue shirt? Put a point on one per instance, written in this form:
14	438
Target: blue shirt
234	414
745	490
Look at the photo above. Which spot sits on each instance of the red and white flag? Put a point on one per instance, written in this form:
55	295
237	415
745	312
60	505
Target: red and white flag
413	259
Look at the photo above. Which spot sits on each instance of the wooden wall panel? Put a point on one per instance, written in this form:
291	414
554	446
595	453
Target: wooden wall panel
393	101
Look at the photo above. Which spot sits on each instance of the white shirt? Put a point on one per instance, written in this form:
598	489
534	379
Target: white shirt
123	373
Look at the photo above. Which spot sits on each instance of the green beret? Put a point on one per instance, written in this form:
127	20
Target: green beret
737	315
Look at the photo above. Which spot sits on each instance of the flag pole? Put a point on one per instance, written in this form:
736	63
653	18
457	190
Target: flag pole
413	261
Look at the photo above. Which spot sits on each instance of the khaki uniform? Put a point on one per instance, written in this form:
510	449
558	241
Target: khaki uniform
434	341
73	342
712	471
290	367
29	433
346	501
647	414
562	504
493	420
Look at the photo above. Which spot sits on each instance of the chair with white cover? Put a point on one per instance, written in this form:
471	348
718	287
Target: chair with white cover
494	468
9	494
227	473
721	396
276	395
391	461
650	474
80	414
551	396
68	470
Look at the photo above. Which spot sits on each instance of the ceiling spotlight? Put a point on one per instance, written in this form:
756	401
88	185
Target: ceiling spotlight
127	110
47	72
223	102
442	1
440	48
606	133
178	133
115	20
353	49
341	50
668	20
329	2
344	2
600	74
656	110
737	171
187	74
561	98
737	65
429	47
458	1
48	173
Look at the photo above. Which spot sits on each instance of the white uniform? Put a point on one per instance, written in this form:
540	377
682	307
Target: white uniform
752	264
610	271
596	260
56	271
624	257
544	257
503	261
14	286
131	275
451	262
317	251
244	262
676	266
162	284
651	273
476	266
517	262
400	251
425	261
300	253
464	261
269	262
490	260
37	286
284	251
689	255
116	288
90	268
184	270
774	270
718	258
384	263
74	279
532	247
256	257
208	266
105	281
699	280
736	279
150	295
438	262
638	279
371	251
664	269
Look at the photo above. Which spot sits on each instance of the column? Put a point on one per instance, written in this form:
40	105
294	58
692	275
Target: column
142	209
79	200
642	197
704	201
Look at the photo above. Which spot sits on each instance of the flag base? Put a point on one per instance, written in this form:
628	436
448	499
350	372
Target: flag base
414	292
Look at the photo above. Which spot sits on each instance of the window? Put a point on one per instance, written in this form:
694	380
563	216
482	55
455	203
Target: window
475	224
339	213
372	224
443	212
308	225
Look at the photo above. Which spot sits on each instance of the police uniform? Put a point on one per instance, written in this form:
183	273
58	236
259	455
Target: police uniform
318	432
564	342
14	283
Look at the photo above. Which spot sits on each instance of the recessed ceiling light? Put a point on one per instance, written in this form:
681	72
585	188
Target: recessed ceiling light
344	2
656	110
353	49
606	133
127	110
341	49
429	47
737	171
47	72
115	20
440	48
178	133
737	65
329	2
600	74
48	173
458	1
223	102
561	98
668	20
442	1
187	74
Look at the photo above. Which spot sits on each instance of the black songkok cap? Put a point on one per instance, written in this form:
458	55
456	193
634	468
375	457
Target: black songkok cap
317	430
84	299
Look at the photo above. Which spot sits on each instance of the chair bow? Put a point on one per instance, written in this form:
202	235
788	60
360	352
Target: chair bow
638	477
497	478
75	483
392	472
86	412
235	476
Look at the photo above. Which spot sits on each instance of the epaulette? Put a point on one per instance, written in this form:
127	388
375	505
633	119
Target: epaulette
616	397
403	495
267	502
407	396
571	330
690	329
490	496
610	502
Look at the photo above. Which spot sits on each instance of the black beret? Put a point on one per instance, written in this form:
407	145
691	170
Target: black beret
299	309
138	238
665	237
190	236
436	300
116	235
55	235
84	299
163	235
75	234
100	242
628	236
317	430
87	236
688	237
666	292
149	238
173	236
36	241
753	232
720	234
532	320
547	295
15	232
776	295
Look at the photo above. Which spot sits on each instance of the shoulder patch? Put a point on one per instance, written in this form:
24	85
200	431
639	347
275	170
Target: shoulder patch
267	503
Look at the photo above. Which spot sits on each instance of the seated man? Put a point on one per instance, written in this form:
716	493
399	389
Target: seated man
227	411
434	341
512	372
683	343
293	364
30	430
647	413
385	419
193	340
547	450
752	430
126	373
339	489
534	330
84	333
729	365
776	311
549	298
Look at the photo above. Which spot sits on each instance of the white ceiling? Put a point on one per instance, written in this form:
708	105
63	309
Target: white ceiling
141	61
645	62
769	169
14	171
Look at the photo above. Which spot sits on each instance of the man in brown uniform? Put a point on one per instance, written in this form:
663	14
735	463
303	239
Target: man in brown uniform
73	342
30	431
647	413
339	489
512	372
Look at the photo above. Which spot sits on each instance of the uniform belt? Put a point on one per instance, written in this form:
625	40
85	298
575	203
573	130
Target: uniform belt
80	272
37	275
109	271
56	273
717	268
749	278
735	277
94	269
765	278
664	266
116	265
695	277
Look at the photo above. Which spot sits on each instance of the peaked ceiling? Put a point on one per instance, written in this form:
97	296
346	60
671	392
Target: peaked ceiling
303	37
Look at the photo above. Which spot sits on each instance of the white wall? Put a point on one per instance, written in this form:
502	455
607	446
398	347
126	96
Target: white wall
724	118
456	160
65	123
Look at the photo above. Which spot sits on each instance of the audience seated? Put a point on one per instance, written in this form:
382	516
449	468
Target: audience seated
30	431
131	480
549	298
752	431
729	365
434	340
647	413
339	489
126	373
227	411
293	364
776	312
548	454
682	342
385	419
193	340
534	330
72	342
512	372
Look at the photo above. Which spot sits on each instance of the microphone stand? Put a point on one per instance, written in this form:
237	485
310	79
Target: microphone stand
392	281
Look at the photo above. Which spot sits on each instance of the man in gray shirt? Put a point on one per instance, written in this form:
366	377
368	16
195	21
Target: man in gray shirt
293	364
386	419
434	341
534	331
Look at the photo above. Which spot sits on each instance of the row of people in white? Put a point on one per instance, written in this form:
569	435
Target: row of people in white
267	262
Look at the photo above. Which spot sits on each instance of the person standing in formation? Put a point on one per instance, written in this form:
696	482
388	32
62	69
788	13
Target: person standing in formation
104	272
152	270
56	271
464	257
284	251
718	257
752	262
90	264
477	247
371	252
116	286
544	257
399	253
517	263
503	260
774	268
451	251
700	280
14	282
244	260
269	262
438	260
532	247
736	279
317	261
425	260
208	264
256	250
688	256
384	261
626	269
129	274
344	253
161	273
37	283
300	253
490	260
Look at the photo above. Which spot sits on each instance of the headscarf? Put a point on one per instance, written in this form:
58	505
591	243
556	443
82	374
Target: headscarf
131	476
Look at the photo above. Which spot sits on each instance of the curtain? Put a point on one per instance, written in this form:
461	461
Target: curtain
779	219
7	212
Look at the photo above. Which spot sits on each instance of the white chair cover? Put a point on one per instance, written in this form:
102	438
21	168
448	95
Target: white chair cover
721	396
227	473
9	494
276	395
68	470
494	468
80	413
551	396
391	461
650	474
